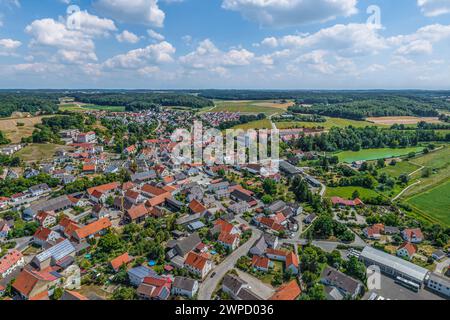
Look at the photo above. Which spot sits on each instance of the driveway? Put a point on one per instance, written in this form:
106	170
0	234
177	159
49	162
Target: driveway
262	289
208	286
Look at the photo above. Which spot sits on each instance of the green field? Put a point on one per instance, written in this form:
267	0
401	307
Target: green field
436	159
374	154
331	122
250	107
434	203
347	192
72	107
400	168
260	124
39	152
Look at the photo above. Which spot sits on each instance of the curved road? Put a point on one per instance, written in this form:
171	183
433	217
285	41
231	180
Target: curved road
208	286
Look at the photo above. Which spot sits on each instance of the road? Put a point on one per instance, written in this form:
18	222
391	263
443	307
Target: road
208	286
406	189
22	243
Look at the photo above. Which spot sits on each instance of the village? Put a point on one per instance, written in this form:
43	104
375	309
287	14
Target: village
139	225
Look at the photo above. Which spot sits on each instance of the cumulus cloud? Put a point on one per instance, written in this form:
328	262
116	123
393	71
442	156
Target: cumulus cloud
433	8
127	36
8	46
155	35
291	12
151	55
133	11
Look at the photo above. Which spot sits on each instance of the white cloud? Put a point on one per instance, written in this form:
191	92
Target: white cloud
133	11
127	36
291	12
8	46
433	8
151	55
155	35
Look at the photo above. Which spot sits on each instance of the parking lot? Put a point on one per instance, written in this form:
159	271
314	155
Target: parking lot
391	290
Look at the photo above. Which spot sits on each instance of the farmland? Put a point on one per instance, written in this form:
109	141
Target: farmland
331	122
79	107
250	107
374	154
14	132
402	120
434	202
260	124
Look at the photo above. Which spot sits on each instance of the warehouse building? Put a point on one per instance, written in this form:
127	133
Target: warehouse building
393	266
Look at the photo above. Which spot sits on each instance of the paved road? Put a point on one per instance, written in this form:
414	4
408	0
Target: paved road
208	286
262	289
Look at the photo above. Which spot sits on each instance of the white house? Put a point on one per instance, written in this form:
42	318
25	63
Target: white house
198	264
184	287
9	262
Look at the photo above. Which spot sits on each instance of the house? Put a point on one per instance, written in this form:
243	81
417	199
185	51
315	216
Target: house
142	177
239	207
218	186
228	240
290	259
183	246
4	202
173	204
391	230
270	223
61	254
183	286
51	205
92	230
39	190
89	168
348	286
36	285
88	137
407	250
72	296
195	226
4	230
222	226
439	284
310	218
10	262
196	207
238	289
130	150
261	263
337	201
287	292
374	232
154	288
413	235
99	211
101	192
136	214
138	274
44	236
122	260
46	219
259	248
438	255
150	191
198	264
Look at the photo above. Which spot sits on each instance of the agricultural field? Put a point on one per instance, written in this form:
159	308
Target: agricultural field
14	132
347	192
250	107
259	124
331	122
389	121
39	152
80	107
374	154
434	202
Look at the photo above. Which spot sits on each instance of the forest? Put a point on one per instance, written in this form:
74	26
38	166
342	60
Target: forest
27	102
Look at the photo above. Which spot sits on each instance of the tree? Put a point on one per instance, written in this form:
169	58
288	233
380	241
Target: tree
403	178
124	293
380	163
266	199
354	268
355	194
270	186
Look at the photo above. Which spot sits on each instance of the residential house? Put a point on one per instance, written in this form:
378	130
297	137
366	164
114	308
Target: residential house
10	262
138	274
196	207
374	232
290	259
154	288
39	190
122	260
310	218
287	292
4	202
261	263
36	285
229	241
413	235
238	289
183	286
348	286
136	214
46	219
61	254
198	264
239	208
44	236
92	230
407	250
4	230
87	137
438	255
337	201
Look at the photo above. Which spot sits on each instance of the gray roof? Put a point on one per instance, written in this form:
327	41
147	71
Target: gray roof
401	265
260	246
141	272
57	252
340	280
439	279
143	176
247	295
196	225
233	283
188	219
289	168
277	206
55	204
42	186
185	245
184	283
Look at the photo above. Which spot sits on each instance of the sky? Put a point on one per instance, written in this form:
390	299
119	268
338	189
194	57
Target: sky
225	44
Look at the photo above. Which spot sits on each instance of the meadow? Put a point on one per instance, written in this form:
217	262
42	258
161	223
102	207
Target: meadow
269	108
331	122
347	192
14	132
39	152
79	107
259	124
374	154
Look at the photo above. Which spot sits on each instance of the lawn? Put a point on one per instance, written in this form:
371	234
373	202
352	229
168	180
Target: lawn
374	154
331	122
400	168
434	203
347	192
250	107
39	152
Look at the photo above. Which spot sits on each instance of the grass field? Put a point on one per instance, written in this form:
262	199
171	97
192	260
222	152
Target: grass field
402	120
347	192
39	152
79	107
400	168
434	202
260	124
15	133
250	107
374	154
331	122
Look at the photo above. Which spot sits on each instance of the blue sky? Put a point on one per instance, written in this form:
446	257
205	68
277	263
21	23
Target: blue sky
253	44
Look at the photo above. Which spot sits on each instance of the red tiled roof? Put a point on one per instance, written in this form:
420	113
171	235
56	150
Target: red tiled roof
89	167
156	201
153	190
289	291
224	226
9	259
93	228
120	260
411	233
196	206
349	203
42	233
291	259
104	188
196	261
412	249
260	262
137	212
227	238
